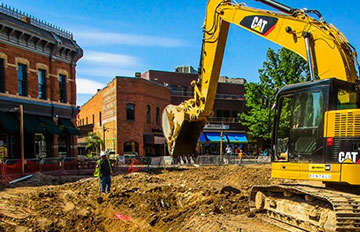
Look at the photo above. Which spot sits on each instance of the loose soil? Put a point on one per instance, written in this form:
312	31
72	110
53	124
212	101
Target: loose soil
186	199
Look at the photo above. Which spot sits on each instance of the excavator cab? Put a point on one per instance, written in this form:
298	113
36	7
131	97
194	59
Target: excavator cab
298	122
316	123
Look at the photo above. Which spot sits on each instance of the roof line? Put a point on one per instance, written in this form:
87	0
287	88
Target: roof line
20	15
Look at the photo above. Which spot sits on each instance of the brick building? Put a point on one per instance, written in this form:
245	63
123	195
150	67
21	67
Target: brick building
37	71
127	114
229	103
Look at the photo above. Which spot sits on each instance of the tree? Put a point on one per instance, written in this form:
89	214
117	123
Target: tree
280	68
93	142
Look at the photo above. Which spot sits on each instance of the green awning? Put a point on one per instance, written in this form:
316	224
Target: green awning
9	122
69	126
50	125
32	124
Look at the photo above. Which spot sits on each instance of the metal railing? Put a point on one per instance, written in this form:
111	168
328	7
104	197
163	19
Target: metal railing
224	160
15	13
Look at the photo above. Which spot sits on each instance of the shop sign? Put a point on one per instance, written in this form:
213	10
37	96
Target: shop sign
217	126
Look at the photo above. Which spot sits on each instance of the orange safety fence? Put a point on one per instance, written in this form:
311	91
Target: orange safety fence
132	169
70	165
11	169
32	166
49	167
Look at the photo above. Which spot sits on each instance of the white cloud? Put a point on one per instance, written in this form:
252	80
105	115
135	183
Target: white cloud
104	72
86	86
109	38
109	58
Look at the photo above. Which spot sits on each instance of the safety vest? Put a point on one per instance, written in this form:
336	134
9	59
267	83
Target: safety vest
3	153
98	169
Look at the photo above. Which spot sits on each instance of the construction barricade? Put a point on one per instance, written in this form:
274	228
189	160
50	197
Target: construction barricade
11	169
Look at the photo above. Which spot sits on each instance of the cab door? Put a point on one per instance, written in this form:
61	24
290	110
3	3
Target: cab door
299	126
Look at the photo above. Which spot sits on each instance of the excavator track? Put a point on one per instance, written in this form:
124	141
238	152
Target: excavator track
306	208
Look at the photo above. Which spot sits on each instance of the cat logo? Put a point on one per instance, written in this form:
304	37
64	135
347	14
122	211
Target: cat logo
348	157
260	24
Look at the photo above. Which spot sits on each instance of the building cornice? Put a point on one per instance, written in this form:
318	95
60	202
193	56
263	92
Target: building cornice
26	36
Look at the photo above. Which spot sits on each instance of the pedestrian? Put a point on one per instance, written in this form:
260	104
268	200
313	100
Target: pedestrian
240	156
103	170
236	150
228	150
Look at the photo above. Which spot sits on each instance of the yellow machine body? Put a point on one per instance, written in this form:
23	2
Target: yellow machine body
329	51
317	172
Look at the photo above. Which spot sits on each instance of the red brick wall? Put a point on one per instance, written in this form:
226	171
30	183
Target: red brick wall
141	93
171	78
129	90
34	61
90	108
11	85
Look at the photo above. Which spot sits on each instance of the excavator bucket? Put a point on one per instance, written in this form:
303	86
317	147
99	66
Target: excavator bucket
180	134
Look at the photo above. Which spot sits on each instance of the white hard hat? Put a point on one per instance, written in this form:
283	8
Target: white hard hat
102	153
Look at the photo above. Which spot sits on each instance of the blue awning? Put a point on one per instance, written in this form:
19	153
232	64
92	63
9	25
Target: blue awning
203	138
214	137
237	138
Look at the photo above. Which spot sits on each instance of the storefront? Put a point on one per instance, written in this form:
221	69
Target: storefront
210	142
154	145
48	130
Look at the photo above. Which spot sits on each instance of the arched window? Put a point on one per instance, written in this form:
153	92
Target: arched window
131	147
148	116
130	111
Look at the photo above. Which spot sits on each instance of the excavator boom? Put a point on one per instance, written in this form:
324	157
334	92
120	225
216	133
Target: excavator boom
325	48
321	138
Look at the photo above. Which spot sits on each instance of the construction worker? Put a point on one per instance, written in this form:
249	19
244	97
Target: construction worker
240	156
3	154
103	170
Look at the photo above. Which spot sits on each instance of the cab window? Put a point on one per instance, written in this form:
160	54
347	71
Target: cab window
300	120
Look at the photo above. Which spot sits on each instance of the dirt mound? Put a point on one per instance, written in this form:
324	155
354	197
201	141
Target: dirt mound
191	199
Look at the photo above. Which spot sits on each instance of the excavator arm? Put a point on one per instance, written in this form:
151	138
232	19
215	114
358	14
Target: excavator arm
324	47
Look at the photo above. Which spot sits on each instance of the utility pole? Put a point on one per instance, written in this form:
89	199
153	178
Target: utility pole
104	129
22	139
221	136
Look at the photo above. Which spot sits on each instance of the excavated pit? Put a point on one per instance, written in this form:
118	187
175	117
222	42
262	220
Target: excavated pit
190	199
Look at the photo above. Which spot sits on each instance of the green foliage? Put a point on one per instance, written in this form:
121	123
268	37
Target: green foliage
279	69
93	142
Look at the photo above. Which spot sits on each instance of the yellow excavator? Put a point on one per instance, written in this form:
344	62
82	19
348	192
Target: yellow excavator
321	141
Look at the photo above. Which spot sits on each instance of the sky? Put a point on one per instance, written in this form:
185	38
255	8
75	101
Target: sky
121	37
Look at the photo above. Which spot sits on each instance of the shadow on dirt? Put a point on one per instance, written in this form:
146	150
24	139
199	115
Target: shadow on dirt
150	170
